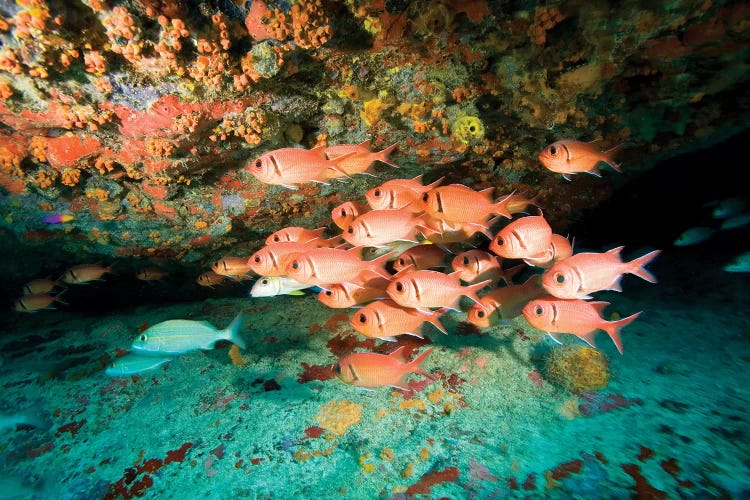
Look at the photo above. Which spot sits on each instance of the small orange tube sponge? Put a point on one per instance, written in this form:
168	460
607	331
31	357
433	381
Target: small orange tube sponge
577	368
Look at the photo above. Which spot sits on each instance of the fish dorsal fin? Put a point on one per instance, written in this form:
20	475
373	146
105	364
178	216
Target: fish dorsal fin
487	193
320	151
599	306
397	354
365	144
615	251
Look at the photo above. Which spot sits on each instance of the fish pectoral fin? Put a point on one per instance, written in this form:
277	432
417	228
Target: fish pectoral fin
389	339
288	186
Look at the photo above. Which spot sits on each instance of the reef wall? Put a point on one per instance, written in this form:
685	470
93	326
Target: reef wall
139	117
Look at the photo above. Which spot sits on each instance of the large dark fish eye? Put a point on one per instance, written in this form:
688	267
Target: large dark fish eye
338	369
329	293
560	278
216	264
466	261
399	286
343	212
295	265
480	314
499	241
142	338
276	239
257	259
264	281
538	310
376	192
258	163
553	150
425	197
362	318
350	230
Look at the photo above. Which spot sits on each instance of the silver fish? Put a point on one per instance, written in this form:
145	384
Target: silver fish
693	236
271	286
134	364
736	221
31	417
740	264
178	336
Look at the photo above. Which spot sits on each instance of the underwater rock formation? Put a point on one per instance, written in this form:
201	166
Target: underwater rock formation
139	117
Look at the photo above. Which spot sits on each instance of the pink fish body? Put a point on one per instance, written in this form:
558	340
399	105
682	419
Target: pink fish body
524	238
291	166
582	274
360	158
476	265
350	294
344	214
380	227
506	303
425	289
371	370
399	193
420	257
458	203
271	260
326	266
569	156
298	234
574	316
384	319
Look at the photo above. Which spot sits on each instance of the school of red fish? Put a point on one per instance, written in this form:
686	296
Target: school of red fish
405	258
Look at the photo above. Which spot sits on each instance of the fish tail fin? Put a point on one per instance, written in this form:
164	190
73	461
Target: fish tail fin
57	297
500	206
377	265
415	364
508	274
609	155
637	266
613	329
382	156
436	322
471	290
233	331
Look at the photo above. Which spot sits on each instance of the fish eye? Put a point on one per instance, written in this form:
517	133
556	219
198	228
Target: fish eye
560	278
258	163
257	259
350	230
553	150
538	310
499	241
343	212
402	262
295	265
216	264
265	282
399	286
480	314
338	369
142	338
329	293
466	261
276	239
425	197
362	318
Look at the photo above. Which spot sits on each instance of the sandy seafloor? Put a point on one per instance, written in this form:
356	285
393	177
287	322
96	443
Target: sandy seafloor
672	423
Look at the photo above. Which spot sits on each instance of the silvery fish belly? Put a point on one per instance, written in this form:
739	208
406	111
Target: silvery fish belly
134	364
179	336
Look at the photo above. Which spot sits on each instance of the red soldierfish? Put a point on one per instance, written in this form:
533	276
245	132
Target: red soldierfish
385	320
271	260
380	227
343	295
458	203
502	304
420	257
36	302
298	234
398	193
371	370
425	289
344	214
585	273
291	166
574	316
524	238
85	273
569	156
478	265
326	266
231	266
360	161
